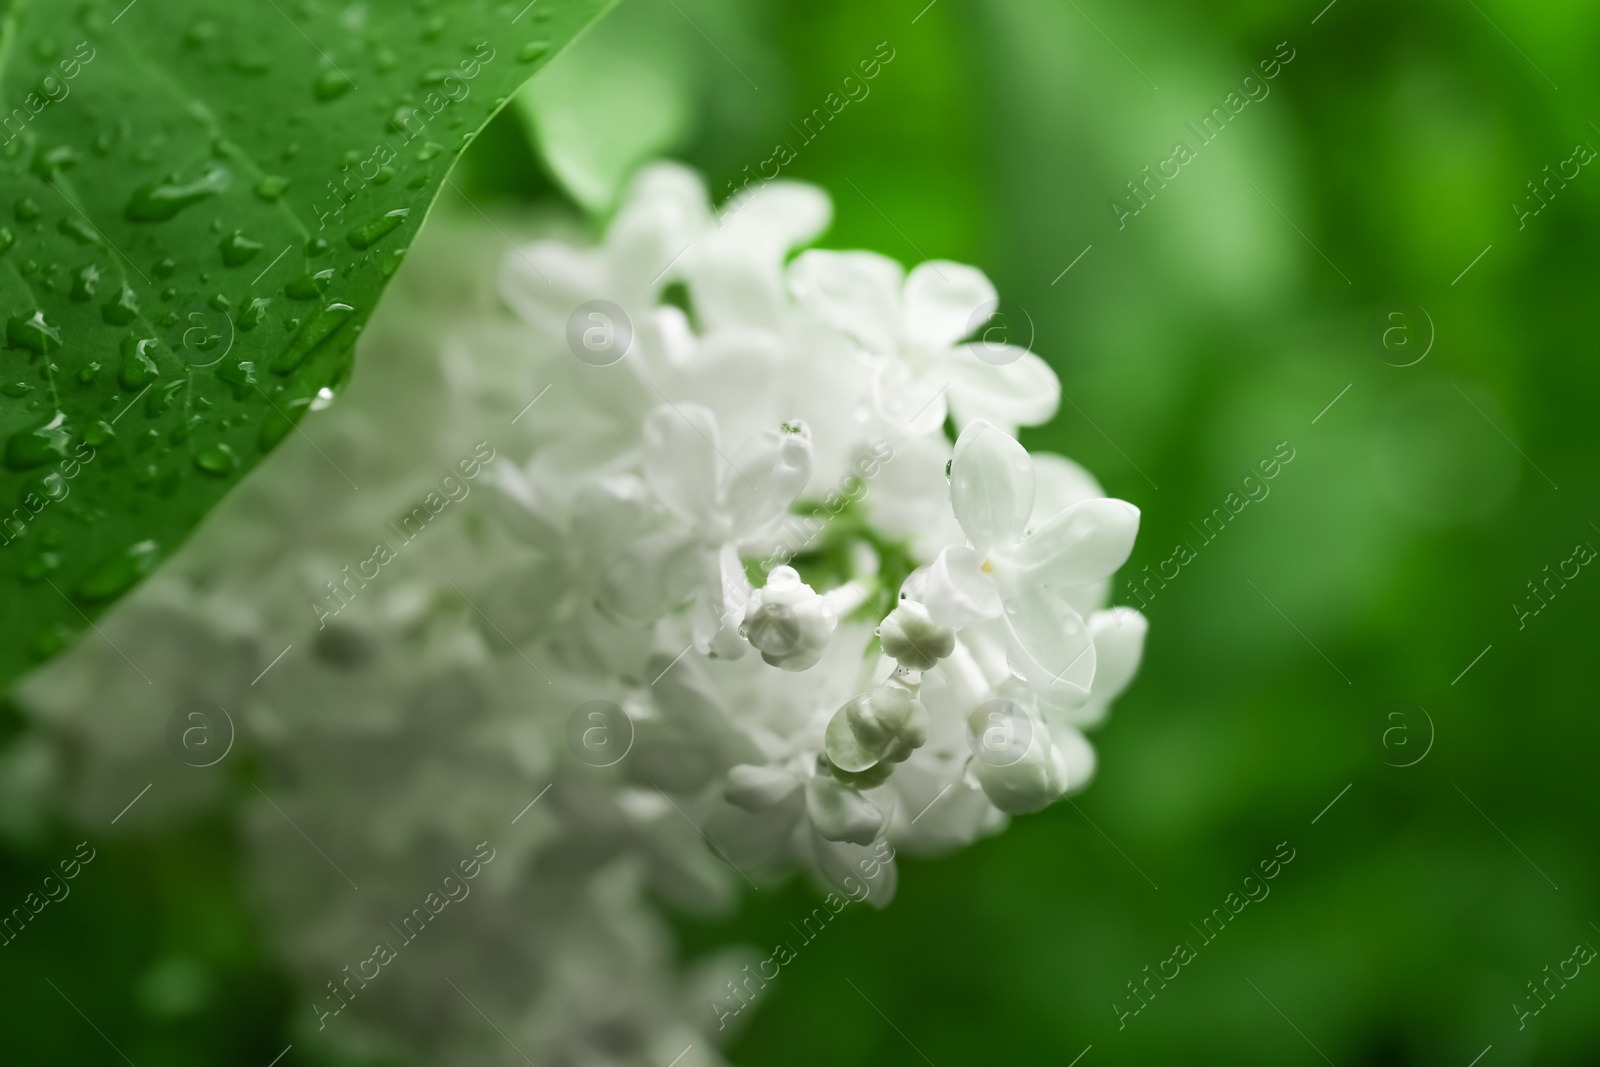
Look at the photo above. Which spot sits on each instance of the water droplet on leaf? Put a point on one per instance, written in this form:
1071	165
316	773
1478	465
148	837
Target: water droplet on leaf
34	446
121	572
32	334
160	200
309	286
218	459
237	249
370	233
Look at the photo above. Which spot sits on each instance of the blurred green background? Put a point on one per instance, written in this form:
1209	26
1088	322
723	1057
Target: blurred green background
1315	645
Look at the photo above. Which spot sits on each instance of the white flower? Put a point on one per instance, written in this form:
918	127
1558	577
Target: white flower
788	622
603	558
1007	572
722	502
911	637
912	326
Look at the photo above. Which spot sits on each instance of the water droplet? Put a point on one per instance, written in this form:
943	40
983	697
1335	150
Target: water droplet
385	59
160	200
40	565
7	239
51	161
533	51
239	375
317	246
27	209
218	459
220	302
250	63
313	335
123	309
138	369
165	267
84	281
32	334
370	233
428	151
121	572
46	49
200	33
253	313
16	390
34	446
74	227
159	400
331	84
237	249
88	374
99	433
271	187
309	286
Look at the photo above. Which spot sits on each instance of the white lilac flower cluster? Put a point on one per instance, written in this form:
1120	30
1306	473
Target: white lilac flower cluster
726	589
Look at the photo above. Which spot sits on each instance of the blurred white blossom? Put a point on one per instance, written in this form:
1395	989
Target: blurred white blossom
559	667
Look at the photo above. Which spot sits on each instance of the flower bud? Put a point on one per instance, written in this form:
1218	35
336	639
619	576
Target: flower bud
880	727
788	622
1030	784
913	639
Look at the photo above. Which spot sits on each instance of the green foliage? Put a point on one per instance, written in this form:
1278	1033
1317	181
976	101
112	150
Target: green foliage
200	204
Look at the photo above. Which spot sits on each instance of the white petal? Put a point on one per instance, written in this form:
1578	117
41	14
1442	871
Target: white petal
665	211
681	460
1085	543
736	271
991	487
779	215
1021	393
941	300
716	628
1050	646
1118	637
855	869
857	293
1060	483
1075	758
769	471
513	499
907	400
544	281
840	813
731	286
651	577
955	590
757	788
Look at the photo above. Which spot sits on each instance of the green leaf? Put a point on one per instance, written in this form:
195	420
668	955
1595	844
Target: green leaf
622	96
200	203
